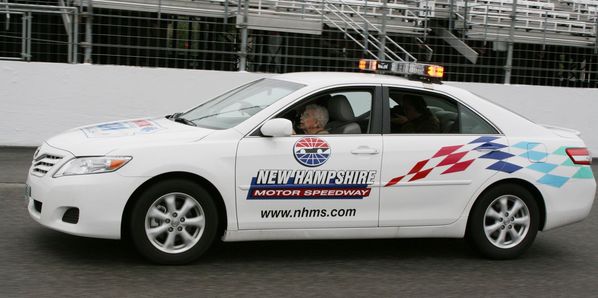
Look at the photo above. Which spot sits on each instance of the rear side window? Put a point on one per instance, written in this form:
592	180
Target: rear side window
425	113
471	123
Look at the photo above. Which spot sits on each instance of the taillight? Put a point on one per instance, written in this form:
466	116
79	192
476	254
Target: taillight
579	156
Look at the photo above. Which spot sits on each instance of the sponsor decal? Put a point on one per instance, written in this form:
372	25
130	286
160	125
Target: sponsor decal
307	213
311	184
120	129
311	152
549	168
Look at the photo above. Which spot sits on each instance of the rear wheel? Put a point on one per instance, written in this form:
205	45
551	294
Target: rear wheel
173	222
504	222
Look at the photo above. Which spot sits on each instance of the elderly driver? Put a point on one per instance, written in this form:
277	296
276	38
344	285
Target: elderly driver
314	119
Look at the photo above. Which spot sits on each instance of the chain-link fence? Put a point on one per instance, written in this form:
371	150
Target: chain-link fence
477	42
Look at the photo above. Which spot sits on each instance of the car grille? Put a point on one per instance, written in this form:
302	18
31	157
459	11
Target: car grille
43	163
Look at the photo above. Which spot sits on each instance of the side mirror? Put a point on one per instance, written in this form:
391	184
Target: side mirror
277	127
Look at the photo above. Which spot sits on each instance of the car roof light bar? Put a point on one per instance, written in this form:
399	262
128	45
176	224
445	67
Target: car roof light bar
416	71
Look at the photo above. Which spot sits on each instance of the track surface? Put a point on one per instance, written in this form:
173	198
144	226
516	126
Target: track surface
37	261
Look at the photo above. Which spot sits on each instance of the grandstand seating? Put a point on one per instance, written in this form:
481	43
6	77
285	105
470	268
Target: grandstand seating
547	22
571	22
568	22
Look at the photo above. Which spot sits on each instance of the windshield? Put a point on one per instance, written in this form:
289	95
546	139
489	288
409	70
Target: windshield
237	105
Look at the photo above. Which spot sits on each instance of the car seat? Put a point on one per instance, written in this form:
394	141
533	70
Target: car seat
342	119
447	121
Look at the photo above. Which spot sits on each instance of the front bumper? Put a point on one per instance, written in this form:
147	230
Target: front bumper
99	198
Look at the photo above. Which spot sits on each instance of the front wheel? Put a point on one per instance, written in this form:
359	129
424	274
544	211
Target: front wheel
504	222
174	222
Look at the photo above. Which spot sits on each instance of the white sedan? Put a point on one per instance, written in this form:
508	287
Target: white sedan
315	156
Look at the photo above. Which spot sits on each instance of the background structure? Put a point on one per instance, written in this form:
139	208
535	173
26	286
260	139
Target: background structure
546	42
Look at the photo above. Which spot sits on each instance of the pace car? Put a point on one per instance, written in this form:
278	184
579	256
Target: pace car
244	167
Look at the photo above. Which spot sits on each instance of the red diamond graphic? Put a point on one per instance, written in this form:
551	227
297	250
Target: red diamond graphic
452	159
446	150
421	175
458	167
394	181
418	166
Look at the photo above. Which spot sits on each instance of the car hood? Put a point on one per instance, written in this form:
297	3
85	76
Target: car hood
102	138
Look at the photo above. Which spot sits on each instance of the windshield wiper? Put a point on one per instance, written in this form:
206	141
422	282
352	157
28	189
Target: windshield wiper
176	117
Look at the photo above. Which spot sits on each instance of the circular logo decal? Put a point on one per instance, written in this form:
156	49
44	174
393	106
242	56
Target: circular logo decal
311	152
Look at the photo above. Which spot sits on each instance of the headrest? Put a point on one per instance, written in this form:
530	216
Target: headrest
446	115
340	109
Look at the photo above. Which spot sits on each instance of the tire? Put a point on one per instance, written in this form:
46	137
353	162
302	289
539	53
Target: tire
495	231
173	222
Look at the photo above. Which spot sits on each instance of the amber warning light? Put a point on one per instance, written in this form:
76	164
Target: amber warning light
435	71
367	64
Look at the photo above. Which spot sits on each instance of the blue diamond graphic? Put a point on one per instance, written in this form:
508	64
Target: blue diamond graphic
553	180
542	167
526	145
536	155
499	155
490	145
504	167
483	140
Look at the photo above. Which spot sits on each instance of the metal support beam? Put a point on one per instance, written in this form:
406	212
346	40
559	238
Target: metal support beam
465	11
451	15
70	47
426	15
88	36
366	31
244	36
509	64
24	22
225	12
460	46
159	9
381	51
66	19
7	26
28	47
76	36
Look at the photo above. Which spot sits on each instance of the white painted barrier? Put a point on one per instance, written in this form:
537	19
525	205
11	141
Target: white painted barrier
38	100
574	108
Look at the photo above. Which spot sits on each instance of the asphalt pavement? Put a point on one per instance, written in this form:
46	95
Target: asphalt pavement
36	261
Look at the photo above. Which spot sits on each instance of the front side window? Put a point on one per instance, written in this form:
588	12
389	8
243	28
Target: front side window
413	112
338	111
237	105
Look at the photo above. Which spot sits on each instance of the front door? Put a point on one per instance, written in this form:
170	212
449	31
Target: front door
326	180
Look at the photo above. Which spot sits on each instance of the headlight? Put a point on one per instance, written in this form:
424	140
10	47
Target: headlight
92	165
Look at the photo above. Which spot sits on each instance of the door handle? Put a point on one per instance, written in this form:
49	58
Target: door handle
364	150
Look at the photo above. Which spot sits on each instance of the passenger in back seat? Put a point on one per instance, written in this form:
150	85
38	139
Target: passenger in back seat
417	117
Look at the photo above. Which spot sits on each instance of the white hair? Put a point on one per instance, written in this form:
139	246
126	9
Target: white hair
320	113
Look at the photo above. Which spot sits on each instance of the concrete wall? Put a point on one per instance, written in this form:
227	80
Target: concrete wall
38	100
574	108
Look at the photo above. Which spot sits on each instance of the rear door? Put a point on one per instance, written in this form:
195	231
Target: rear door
429	176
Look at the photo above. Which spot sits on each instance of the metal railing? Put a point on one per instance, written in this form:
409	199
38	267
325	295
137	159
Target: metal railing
211	34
